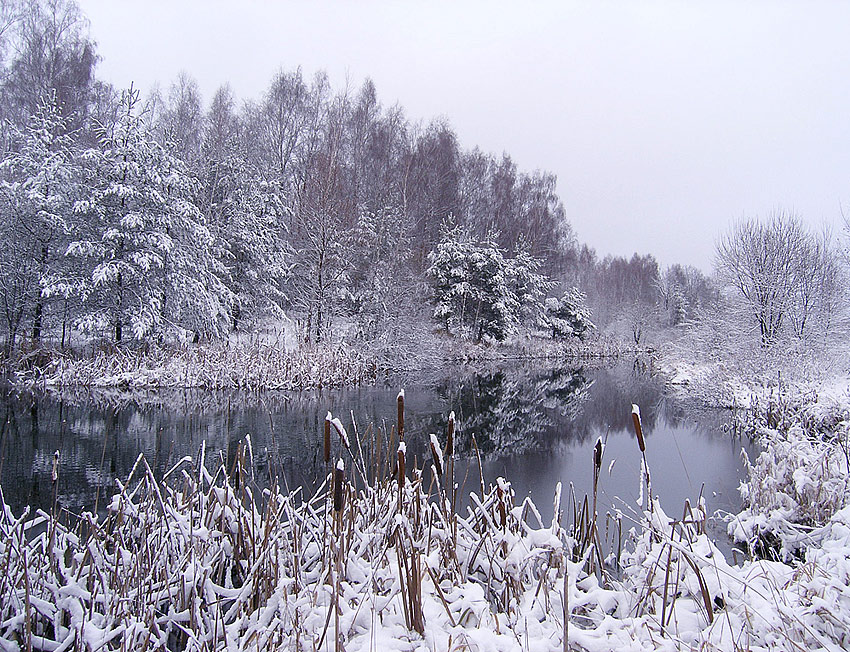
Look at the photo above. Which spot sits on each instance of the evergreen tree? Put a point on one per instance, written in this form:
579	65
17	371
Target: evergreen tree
148	250
568	315
478	292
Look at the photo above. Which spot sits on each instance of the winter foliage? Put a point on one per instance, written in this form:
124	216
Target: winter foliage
480	292
148	256
568	316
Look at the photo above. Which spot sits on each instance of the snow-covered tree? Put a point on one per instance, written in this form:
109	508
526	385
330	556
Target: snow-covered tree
568	315
528	283
477	290
40	185
149	253
246	215
780	274
380	284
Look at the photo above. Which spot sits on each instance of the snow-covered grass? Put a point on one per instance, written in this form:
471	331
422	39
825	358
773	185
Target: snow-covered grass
251	365
383	561
794	400
802	477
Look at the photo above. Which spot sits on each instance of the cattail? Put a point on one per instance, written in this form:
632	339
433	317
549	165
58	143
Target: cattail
638	429
450	440
339	478
597	455
55	473
502	489
400	400
328	419
437	455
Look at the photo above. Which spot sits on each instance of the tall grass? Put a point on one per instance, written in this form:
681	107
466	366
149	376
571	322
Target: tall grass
252	366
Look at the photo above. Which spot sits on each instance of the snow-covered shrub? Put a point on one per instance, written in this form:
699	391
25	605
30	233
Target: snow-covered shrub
568	315
802	477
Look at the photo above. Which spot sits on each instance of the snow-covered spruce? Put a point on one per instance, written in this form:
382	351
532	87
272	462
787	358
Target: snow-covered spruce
194	563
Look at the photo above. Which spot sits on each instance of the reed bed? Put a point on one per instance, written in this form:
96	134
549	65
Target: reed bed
251	366
379	558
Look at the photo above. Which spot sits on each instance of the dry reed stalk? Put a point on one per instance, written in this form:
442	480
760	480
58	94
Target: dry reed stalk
327	438
400	415
339	479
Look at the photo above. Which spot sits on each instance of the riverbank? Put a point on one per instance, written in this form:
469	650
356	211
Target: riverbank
795	404
262	364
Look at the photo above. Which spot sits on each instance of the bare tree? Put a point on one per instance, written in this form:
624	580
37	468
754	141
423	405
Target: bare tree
52	55
781	272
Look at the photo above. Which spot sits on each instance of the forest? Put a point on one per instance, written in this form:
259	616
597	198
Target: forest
168	218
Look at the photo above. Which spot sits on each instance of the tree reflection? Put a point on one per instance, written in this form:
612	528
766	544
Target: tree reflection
511	409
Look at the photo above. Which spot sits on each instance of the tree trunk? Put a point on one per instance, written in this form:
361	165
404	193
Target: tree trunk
36	321
39	303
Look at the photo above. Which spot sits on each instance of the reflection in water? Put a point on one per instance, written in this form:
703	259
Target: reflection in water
533	424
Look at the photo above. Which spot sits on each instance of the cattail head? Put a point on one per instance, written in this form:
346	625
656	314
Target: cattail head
450	440
400	400
638	429
597	454
502	489
339	478
55	473
328	419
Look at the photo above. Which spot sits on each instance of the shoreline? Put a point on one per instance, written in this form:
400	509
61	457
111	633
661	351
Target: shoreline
257	366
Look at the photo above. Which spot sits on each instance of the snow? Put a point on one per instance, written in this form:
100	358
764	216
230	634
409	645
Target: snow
507	590
343	435
239	364
486	584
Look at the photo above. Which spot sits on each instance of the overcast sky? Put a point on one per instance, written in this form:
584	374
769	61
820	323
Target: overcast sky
664	121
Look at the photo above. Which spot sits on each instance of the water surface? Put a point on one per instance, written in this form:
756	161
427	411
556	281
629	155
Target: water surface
533	424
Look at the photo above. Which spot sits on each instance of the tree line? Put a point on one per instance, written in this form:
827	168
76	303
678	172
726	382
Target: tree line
148	218
130	217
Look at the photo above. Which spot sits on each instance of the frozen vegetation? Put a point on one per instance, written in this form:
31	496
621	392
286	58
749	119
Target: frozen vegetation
240	365
146	243
380	559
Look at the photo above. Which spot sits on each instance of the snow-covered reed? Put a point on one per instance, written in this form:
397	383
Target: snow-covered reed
380	559
252	365
802	477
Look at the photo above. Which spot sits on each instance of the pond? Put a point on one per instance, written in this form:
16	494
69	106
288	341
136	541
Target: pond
533	424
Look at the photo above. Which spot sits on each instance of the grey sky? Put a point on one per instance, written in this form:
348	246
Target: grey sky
664	121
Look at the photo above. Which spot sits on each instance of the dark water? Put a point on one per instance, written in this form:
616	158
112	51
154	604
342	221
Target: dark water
534	425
